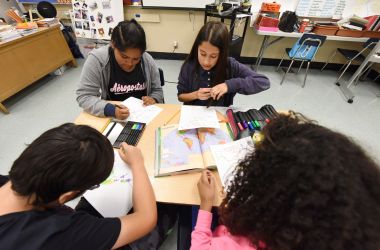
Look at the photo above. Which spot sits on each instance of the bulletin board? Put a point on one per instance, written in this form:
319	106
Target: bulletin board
96	18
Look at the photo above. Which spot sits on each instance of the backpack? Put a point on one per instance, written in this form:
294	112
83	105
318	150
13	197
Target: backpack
288	21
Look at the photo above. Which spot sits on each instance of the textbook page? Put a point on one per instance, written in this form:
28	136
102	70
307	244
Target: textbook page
228	155
197	117
139	112
177	150
113	197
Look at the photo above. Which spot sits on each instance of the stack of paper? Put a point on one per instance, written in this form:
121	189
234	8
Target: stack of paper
9	34
197	117
140	113
47	22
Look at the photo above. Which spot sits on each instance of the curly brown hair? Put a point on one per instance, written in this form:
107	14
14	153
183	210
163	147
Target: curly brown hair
305	187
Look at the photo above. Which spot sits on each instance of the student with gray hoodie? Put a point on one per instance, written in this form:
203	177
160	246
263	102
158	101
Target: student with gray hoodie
117	71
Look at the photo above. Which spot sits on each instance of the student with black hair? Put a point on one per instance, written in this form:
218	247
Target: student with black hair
57	167
210	77
303	187
117	71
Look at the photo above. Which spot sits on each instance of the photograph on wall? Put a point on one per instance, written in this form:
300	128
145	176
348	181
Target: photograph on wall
78	14
109	19
86	25
96	18
78	25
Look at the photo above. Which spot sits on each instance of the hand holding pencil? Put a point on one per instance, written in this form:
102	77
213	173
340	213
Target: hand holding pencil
121	112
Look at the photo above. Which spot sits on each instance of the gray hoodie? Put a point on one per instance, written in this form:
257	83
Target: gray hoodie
93	84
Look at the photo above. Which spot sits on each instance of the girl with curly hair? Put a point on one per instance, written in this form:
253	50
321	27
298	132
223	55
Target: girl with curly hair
304	187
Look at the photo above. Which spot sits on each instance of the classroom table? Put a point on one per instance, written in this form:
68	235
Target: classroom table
26	59
178	189
372	57
281	35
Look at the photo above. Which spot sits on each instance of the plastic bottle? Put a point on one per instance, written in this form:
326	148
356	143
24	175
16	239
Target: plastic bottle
303	25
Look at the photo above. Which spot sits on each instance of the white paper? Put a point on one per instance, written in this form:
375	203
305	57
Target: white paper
113	198
228	155
139	112
197	117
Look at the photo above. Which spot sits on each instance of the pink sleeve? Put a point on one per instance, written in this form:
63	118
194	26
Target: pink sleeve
201	236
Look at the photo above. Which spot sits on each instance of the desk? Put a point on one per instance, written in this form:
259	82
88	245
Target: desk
179	189
26	59
371	58
281	35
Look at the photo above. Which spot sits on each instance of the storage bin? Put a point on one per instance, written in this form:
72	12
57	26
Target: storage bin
326	30
371	34
349	33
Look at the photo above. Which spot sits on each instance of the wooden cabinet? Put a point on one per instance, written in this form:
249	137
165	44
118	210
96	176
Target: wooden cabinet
29	58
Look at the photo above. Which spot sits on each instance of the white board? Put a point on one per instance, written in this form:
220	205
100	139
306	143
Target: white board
181	4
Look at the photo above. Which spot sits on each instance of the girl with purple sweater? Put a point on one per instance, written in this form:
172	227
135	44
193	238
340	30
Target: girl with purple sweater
210	77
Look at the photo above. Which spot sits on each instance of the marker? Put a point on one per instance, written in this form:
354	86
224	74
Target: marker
244	124
255	117
232	121
246	117
237	118
252	120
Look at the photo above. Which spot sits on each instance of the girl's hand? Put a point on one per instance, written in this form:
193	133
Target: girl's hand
121	112
218	91
206	189
203	93
147	100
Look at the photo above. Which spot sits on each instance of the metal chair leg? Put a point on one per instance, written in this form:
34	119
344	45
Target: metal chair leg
344	65
300	67
365	74
328	60
283	55
344	71
307	70
290	65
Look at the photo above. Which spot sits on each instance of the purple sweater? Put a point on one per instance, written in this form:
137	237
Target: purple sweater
241	80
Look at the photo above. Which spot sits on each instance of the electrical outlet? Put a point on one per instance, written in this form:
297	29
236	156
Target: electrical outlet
175	44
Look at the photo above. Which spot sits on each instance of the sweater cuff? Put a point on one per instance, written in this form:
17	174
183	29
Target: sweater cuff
109	110
204	219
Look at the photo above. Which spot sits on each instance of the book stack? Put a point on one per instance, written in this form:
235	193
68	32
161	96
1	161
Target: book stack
47	22
8	32
356	23
373	23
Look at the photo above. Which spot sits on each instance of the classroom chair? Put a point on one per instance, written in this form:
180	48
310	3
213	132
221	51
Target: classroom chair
162	79
352	55
303	50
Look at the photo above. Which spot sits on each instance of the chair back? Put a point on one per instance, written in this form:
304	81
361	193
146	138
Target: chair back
162	79
370	43
306	47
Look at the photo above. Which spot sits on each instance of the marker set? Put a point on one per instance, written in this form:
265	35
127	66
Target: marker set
250	120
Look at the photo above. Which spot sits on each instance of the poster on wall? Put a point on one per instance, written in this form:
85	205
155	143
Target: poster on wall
96	18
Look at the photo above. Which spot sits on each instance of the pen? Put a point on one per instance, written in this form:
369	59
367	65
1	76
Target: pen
120	107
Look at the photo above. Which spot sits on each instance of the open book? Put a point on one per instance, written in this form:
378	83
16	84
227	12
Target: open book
179	151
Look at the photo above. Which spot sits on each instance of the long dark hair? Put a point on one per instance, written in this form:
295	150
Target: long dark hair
217	34
66	158
129	34
305	187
